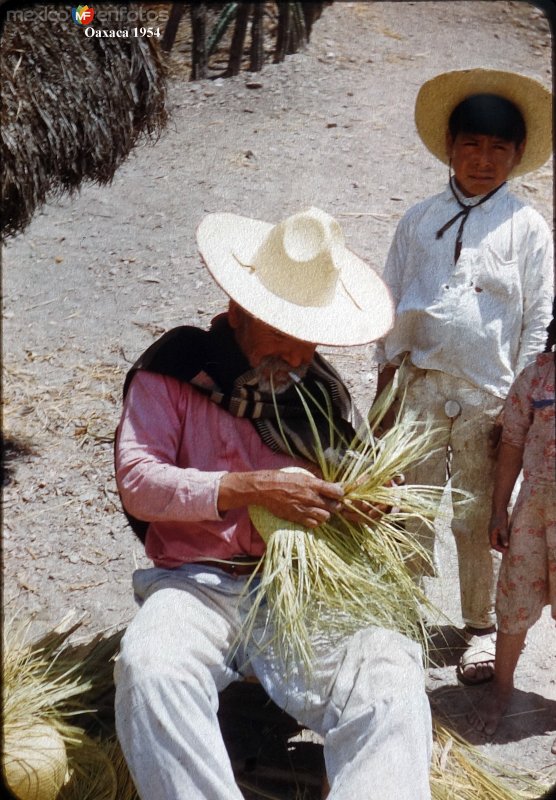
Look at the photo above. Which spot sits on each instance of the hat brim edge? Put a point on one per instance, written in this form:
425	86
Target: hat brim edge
438	97
341	323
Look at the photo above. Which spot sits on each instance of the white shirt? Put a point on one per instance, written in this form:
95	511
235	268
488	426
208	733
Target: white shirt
483	319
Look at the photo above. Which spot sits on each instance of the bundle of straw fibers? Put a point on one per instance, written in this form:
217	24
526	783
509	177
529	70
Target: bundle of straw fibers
35	762
40	691
72	107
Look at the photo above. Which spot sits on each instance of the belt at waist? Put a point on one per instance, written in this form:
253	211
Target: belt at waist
238	567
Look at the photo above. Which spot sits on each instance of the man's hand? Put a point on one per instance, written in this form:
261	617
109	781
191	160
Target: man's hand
498	531
295	496
357	510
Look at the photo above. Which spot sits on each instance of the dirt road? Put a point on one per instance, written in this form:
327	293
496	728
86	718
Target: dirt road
96	278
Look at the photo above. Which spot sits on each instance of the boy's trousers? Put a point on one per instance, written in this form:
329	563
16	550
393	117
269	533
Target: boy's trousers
464	442
366	696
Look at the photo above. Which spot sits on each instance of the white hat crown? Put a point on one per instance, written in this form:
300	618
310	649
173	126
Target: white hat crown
296	259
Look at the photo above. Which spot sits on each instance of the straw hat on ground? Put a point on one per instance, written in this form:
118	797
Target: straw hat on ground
297	276
439	96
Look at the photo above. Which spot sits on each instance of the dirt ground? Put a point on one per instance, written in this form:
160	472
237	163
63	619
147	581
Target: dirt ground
96	278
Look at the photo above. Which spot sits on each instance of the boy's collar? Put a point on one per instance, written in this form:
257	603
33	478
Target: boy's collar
472	201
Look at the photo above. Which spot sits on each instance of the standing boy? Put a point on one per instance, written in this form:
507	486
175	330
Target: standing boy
471	274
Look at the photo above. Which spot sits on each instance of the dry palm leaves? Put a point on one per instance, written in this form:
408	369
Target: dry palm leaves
71	107
342	576
50	682
460	772
35	729
45	689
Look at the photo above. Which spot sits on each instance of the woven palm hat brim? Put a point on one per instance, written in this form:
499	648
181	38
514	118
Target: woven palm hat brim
360	310
438	97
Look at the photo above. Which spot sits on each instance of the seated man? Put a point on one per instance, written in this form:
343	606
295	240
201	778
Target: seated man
209	420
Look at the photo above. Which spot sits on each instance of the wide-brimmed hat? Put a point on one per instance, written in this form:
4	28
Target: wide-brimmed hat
297	276
438	97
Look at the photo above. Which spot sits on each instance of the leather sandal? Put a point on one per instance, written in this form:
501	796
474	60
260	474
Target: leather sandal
480	650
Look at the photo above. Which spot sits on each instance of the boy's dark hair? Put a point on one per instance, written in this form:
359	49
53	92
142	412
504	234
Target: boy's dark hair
551	330
550	794
489	115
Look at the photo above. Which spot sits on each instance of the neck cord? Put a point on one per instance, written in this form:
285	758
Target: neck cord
463	214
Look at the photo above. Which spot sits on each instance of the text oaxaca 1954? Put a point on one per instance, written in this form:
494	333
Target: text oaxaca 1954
101	33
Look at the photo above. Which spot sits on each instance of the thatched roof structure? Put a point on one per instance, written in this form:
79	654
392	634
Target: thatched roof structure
71	107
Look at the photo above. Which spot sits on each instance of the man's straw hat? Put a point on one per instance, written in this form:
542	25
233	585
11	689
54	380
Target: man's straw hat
297	276
438	97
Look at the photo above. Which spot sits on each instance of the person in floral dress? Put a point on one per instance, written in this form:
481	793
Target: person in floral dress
527	580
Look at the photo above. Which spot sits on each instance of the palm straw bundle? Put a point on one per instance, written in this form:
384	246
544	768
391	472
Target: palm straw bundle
45	756
34	687
342	576
460	772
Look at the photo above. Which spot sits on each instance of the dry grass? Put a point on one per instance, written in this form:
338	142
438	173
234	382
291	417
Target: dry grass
83	402
57	681
64	685
460	772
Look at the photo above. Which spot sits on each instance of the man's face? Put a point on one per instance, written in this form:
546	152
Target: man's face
481	163
274	355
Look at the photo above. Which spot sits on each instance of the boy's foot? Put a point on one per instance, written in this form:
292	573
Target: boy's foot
486	719
553	748
476	665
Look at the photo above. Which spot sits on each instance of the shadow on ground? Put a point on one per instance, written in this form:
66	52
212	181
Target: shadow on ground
529	714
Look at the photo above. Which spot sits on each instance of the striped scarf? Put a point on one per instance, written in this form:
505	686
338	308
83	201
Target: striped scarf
212	362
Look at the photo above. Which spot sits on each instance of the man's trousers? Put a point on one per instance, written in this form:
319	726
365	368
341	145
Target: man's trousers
365	696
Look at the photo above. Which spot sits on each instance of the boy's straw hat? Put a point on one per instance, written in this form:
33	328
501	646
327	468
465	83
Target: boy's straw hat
438	97
297	276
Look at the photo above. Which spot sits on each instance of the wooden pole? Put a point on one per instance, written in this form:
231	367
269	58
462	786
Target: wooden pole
171	28
257	38
283	36
298	31
238	39
311	12
199	59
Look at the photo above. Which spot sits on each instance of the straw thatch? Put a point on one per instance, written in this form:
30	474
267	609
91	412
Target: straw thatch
71	107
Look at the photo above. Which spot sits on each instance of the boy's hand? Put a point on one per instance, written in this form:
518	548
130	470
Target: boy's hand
496	432
499	532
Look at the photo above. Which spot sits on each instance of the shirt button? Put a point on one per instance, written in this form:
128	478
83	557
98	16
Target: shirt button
452	409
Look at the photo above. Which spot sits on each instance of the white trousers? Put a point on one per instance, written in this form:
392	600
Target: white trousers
366	697
473	460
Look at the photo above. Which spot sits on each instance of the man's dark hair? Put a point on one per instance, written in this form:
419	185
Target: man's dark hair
489	115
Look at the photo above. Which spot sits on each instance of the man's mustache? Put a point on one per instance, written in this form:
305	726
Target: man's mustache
275	374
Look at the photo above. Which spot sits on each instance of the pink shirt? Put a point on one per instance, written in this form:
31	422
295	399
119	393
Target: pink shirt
173	447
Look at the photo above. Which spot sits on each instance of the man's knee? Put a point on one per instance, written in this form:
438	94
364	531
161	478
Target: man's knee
139	660
390	650
149	665
379	666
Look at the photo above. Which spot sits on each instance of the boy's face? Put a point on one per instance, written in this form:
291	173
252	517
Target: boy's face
481	163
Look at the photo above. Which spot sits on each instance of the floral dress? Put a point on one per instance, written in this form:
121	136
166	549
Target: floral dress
527	579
